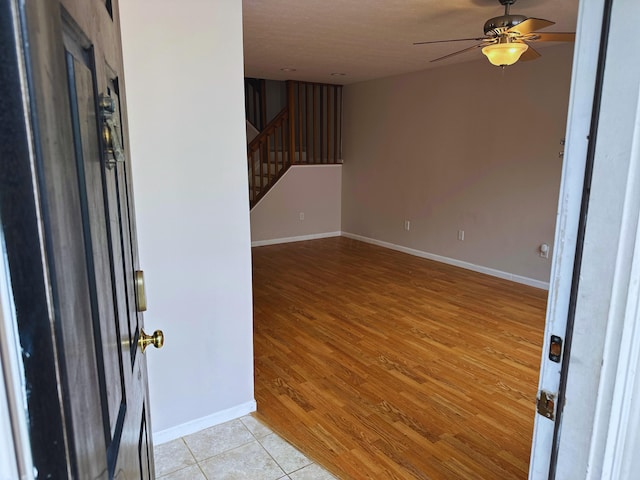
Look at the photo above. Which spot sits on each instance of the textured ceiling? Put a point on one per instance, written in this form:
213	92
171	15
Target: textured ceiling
368	39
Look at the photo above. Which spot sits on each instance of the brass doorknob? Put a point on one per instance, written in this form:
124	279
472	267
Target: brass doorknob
156	339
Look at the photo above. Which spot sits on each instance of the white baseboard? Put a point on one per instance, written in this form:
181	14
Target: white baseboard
411	251
198	424
452	261
301	238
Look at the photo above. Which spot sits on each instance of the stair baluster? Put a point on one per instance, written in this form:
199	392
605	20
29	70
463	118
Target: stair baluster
307	131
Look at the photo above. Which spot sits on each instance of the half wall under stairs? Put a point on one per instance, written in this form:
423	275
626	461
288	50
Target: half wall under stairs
304	204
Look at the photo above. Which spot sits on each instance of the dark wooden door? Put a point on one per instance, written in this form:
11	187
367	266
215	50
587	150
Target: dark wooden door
67	214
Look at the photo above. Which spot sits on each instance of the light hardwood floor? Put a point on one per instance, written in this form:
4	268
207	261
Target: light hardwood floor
381	365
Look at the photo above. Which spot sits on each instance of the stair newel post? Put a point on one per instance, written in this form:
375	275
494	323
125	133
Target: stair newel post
252	176
300	123
268	149
263	155
292	124
282	149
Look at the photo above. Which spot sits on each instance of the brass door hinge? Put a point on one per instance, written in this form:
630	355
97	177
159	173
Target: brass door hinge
546	404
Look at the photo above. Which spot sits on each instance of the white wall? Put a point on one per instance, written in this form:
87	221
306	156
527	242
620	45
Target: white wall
313	190
464	147
184	84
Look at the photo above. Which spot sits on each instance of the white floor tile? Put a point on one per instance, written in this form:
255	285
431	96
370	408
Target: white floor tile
256	427
230	451
190	473
287	456
172	456
249	462
312	472
218	439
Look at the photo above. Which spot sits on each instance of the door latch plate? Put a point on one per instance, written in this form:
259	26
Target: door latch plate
546	404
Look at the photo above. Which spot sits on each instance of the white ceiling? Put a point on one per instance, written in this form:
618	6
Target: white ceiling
368	39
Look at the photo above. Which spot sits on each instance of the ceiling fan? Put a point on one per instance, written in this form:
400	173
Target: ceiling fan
506	38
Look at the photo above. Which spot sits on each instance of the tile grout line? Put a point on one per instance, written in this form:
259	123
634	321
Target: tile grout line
202	471
187	445
286	474
311	462
255	439
268	452
166	474
220	453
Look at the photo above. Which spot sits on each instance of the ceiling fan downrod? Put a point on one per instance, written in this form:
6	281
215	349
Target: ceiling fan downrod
507	5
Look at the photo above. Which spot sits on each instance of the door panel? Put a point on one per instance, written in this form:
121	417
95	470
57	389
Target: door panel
72	54
107	339
119	206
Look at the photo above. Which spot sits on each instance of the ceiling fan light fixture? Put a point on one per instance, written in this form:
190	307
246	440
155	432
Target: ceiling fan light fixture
501	54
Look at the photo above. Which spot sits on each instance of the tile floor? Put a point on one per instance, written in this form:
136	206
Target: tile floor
243	449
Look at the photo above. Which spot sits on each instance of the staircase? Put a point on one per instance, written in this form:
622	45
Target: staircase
307	131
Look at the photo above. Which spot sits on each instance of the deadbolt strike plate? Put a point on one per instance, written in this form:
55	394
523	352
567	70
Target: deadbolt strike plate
555	349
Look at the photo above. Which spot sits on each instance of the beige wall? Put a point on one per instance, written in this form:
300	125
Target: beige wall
465	147
314	191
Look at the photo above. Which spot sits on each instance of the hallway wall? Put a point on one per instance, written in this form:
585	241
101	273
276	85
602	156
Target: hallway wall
183	66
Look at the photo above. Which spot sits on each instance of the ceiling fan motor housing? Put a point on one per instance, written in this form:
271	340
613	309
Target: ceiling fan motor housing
498	25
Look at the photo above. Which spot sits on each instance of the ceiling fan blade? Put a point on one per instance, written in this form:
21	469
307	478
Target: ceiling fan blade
530	54
454	40
459	52
531	25
554	37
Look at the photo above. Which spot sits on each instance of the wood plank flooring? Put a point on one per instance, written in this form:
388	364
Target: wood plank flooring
381	365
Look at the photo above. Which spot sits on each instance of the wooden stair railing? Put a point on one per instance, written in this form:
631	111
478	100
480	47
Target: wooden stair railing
269	156
317	121
307	131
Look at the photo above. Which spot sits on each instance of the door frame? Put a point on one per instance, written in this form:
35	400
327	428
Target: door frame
15	449
591	436
15	452
22	250
567	234
593	430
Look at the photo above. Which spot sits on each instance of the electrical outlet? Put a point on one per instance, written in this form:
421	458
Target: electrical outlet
407	225
461	235
301	215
